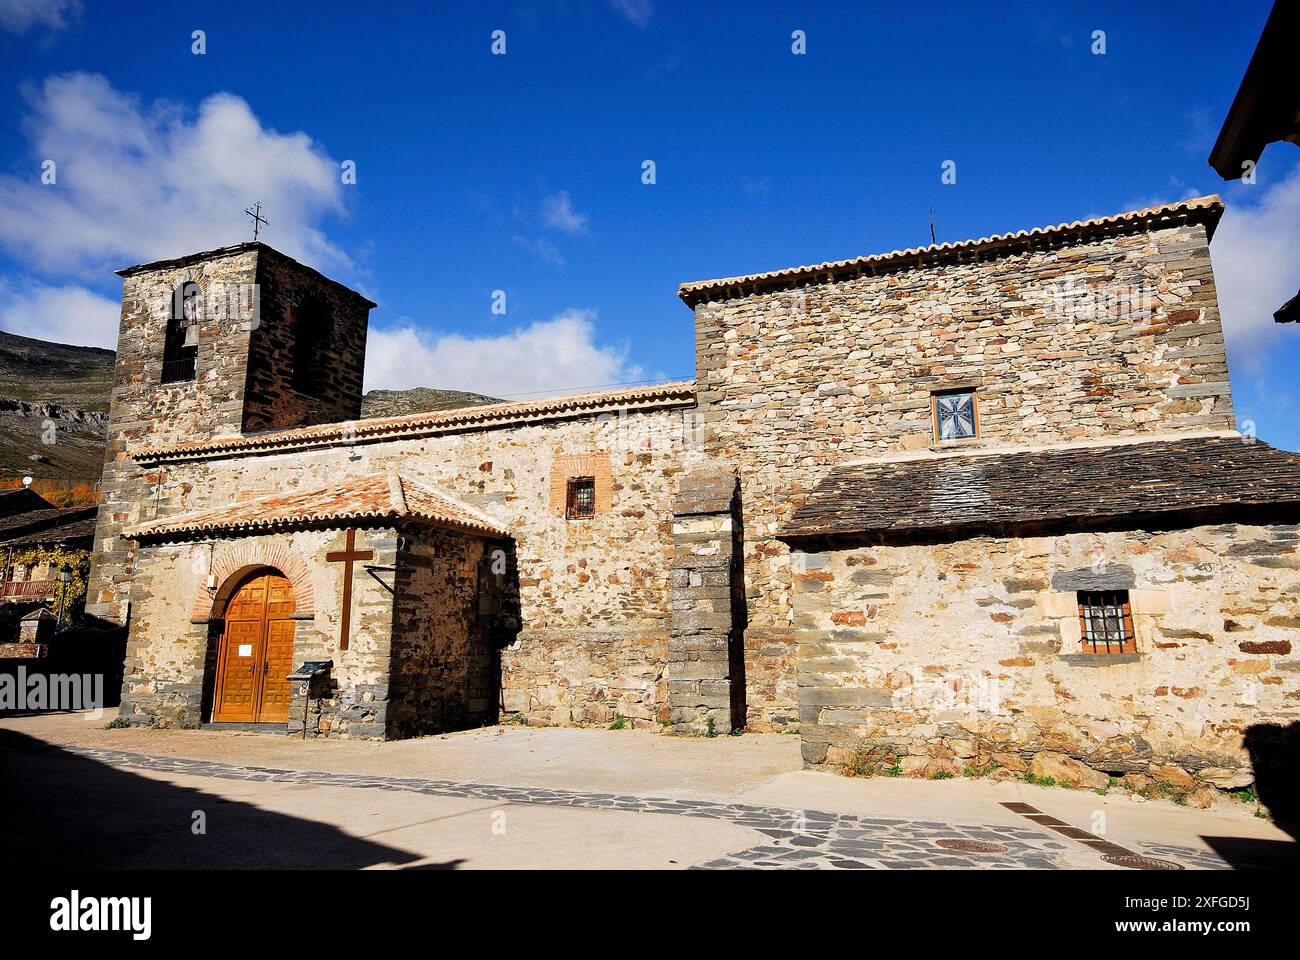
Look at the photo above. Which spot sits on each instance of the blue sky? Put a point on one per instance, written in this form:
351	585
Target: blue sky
523	172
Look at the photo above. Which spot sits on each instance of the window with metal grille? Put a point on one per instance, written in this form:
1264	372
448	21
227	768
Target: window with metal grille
1106	621
582	498
955	415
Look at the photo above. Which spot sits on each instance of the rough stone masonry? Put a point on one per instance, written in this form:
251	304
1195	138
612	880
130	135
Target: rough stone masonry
783	544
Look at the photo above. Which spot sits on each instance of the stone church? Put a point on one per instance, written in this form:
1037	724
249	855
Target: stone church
974	499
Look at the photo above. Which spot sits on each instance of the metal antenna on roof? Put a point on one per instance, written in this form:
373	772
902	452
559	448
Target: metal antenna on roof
933	241
255	211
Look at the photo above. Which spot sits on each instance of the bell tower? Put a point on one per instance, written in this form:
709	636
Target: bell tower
238	340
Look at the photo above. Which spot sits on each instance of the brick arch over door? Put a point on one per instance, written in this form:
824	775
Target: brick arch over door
234	559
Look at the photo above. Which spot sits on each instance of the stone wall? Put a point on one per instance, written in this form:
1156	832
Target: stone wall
705	681
590	599
170	655
793	381
145	412
587	675
245	337
273	402
435	624
953	653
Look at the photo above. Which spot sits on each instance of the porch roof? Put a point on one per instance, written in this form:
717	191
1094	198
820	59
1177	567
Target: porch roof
1087	482
376	496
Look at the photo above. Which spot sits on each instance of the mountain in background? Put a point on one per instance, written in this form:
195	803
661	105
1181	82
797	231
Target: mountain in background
44	384
395	403
52	391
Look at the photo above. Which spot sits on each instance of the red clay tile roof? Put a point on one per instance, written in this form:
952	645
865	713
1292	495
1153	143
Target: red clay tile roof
1200	210
375	496
680	393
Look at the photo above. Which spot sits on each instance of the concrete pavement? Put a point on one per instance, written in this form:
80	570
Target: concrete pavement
555	798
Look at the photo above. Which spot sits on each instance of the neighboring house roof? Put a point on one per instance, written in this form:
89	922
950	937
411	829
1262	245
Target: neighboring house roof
1267	105
1289	312
76	531
52	525
441	421
22	500
1205	210
385	496
1079	483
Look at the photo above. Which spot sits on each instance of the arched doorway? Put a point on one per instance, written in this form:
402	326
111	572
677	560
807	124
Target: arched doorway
255	653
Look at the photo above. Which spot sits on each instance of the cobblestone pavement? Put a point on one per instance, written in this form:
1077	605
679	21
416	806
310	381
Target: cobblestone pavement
1192	857
799	839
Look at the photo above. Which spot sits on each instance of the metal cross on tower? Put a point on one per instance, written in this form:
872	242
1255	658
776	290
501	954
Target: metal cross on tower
255	211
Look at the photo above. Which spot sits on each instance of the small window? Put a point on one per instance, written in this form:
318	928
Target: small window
181	345
581	499
312	328
1106	622
955	416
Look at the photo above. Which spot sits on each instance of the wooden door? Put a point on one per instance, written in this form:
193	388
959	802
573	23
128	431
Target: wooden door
256	653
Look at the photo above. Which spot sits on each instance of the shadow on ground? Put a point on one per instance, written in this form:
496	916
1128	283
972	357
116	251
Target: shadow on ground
1248	853
1275	757
61	809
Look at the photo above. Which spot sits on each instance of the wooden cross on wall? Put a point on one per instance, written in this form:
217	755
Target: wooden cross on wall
347	557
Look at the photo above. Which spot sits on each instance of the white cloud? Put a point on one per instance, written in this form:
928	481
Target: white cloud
62	314
19	16
558	213
555	356
1255	265
137	182
543	248
638	11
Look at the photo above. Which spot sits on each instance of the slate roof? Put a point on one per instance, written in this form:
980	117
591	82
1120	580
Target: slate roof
51	525
376	496
21	500
681	393
1205	210
76	528
1065	483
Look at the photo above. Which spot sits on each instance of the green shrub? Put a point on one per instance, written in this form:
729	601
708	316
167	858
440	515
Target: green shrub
862	762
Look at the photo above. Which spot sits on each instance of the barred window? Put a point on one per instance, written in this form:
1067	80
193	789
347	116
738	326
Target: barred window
582	498
955	417
1106	622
